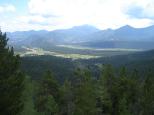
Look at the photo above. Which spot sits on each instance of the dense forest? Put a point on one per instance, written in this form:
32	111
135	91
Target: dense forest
84	91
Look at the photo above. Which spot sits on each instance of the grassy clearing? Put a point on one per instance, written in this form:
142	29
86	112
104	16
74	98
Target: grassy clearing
39	51
75	52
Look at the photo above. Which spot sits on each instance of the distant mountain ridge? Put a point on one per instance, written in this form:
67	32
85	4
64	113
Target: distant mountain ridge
56	36
82	34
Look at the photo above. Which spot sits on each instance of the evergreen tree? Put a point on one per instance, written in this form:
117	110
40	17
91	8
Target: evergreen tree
67	99
47	97
123	107
123	72
51	106
11	80
85	95
134	92
123	91
107	91
28	98
148	95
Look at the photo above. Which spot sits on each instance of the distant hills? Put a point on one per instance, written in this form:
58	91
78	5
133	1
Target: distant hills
86	35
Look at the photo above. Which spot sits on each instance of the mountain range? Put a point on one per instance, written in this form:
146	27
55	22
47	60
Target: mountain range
86	35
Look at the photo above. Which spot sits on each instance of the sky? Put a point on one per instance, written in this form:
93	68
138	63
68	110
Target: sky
23	15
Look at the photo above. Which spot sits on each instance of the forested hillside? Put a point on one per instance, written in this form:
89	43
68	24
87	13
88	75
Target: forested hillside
64	68
35	66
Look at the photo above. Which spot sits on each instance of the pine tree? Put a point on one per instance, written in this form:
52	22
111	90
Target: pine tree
28	97
129	93
134	92
85	95
123	107
122	89
47	97
11	80
107	90
148	95
67	99
51	106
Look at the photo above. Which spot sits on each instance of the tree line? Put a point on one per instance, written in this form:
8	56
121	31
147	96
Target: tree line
112	93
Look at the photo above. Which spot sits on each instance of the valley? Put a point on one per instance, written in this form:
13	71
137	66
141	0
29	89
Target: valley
64	50
76	52
39	51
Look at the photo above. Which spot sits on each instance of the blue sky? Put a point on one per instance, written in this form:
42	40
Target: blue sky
19	15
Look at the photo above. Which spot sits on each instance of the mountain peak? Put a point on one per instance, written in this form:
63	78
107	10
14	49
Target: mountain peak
127	26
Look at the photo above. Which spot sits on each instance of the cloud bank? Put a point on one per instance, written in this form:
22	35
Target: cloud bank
55	14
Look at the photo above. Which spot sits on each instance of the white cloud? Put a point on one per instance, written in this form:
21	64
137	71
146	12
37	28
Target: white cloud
36	18
29	22
77	12
57	14
141	9
7	8
101	13
148	7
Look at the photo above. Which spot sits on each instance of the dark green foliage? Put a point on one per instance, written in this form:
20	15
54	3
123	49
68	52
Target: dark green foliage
129	91
114	93
67	99
47	97
85	94
28	98
148	95
11	80
123	107
36	65
63	68
107	92
141	61
119	95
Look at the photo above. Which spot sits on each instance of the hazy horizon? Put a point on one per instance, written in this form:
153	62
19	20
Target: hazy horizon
80	26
